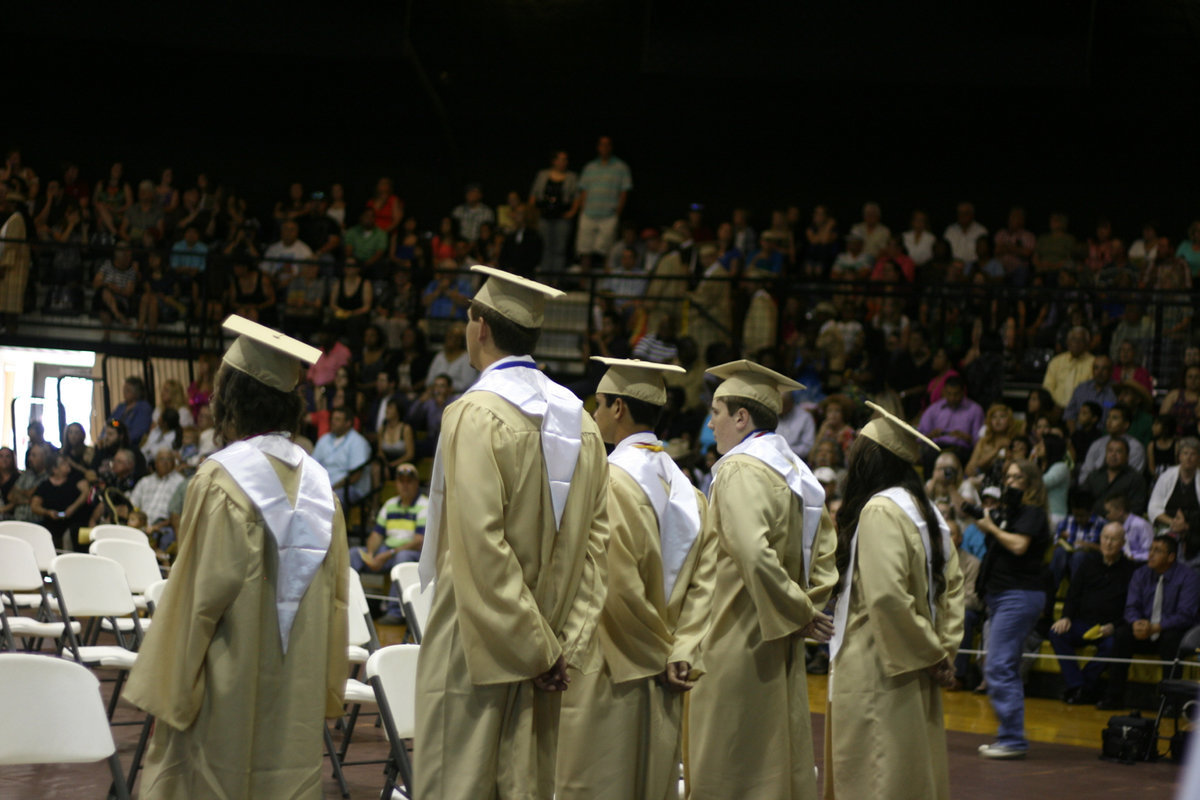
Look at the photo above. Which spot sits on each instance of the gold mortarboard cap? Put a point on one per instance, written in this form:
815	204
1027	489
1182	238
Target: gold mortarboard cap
517	299
631	377
267	355
895	434
754	381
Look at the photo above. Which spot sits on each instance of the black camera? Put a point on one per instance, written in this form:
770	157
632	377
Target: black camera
948	473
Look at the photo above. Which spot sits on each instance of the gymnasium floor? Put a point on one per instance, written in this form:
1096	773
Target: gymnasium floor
1063	760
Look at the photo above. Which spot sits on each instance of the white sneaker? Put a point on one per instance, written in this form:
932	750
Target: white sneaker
1000	751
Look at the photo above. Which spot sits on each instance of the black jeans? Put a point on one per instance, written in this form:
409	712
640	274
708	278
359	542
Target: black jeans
1126	645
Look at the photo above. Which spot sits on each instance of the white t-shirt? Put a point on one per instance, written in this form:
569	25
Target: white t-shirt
920	251
282	258
962	243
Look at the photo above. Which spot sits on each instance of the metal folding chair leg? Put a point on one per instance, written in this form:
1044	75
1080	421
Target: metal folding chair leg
337	764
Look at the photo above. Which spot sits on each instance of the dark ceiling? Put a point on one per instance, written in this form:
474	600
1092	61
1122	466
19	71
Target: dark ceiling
1089	105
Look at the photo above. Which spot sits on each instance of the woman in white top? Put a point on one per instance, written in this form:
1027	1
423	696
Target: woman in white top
918	242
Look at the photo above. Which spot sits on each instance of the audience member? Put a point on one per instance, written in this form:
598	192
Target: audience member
1097	389
1117	477
992	446
115	285
964	233
1174	504
1160	454
285	259
345	454
334	355
397	536
453	360
796	426
388	209
471	214
521	252
1053	250
425	415
1069	369
1116	427
447	296
366	244
871	230
1075	536
153	493
1014	247
1161	606
1138	532
553	195
954	420
133	413
1181	403
1094	607
167	432
604	188
60	502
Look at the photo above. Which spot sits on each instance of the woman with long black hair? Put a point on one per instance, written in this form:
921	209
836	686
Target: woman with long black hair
1012	585
898	624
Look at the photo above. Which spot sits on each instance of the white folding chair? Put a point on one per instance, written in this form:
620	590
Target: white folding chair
417	604
95	587
139	562
392	672
153	594
124	532
53	714
38	537
406	573
363	642
19	573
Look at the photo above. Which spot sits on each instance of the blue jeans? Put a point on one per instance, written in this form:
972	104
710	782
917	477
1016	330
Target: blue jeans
1012	615
556	236
356	561
1064	644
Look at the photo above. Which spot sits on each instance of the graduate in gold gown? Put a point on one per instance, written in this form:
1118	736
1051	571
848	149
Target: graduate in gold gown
516	536
620	729
750	734
247	654
898	623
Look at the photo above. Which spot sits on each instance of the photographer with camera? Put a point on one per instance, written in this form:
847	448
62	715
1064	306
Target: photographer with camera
1012	584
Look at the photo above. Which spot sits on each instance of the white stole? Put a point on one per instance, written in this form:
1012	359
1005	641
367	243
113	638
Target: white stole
908	505
302	533
773	450
669	492
561	414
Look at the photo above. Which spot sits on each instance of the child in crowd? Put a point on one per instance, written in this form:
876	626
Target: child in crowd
1077	534
1161	452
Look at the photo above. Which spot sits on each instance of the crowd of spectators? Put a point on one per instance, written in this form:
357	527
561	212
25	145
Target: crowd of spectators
931	326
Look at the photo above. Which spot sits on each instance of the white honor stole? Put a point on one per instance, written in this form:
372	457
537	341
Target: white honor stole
669	492
302	533
908	505
772	450
518	380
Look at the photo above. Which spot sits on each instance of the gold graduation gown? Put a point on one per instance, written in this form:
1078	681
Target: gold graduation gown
884	734
512	595
619	734
750	734
236	718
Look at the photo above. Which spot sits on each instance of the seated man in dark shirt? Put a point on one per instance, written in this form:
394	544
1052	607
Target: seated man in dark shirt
1095	599
1161	606
1117	477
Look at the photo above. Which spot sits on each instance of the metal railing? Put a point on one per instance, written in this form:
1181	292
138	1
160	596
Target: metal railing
641	301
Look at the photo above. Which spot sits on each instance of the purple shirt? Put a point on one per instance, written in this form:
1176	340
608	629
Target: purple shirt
1181	596
1138	535
968	418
